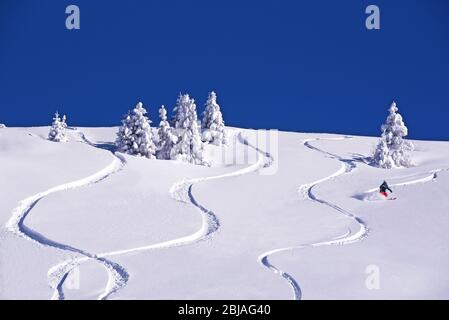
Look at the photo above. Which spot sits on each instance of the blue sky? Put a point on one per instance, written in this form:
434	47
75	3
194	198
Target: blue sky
293	65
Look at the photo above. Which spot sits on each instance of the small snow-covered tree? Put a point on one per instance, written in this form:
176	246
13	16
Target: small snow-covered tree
393	150
135	135
212	124
166	137
64	121
381	157
2	126
58	129
189	146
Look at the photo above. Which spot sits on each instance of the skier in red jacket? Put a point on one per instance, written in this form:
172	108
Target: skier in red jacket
383	189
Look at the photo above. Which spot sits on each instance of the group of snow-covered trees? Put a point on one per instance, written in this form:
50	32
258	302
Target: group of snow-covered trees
181	139
392	149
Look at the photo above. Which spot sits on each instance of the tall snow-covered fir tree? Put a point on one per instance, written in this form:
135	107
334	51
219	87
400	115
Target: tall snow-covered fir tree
135	136
212	124
189	146
166	137
58	129
393	150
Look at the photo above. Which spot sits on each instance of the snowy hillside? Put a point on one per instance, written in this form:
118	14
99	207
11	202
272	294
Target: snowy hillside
302	221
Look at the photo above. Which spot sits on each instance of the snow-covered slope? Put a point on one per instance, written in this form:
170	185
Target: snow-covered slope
81	222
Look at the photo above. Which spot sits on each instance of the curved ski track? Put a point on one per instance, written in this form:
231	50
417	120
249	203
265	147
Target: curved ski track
117	276
306	190
180	191
419	178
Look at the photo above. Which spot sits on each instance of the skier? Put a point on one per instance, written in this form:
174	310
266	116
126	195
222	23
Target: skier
383	189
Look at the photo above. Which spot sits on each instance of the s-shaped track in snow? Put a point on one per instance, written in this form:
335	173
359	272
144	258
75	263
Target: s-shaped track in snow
180	191
306	191
117	276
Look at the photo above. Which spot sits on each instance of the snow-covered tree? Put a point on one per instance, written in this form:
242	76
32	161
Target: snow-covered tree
393	150
166	137
381	157
212	123
58	129
2	126
135	136
189	146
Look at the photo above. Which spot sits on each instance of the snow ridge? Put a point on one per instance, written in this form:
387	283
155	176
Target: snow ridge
306	191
